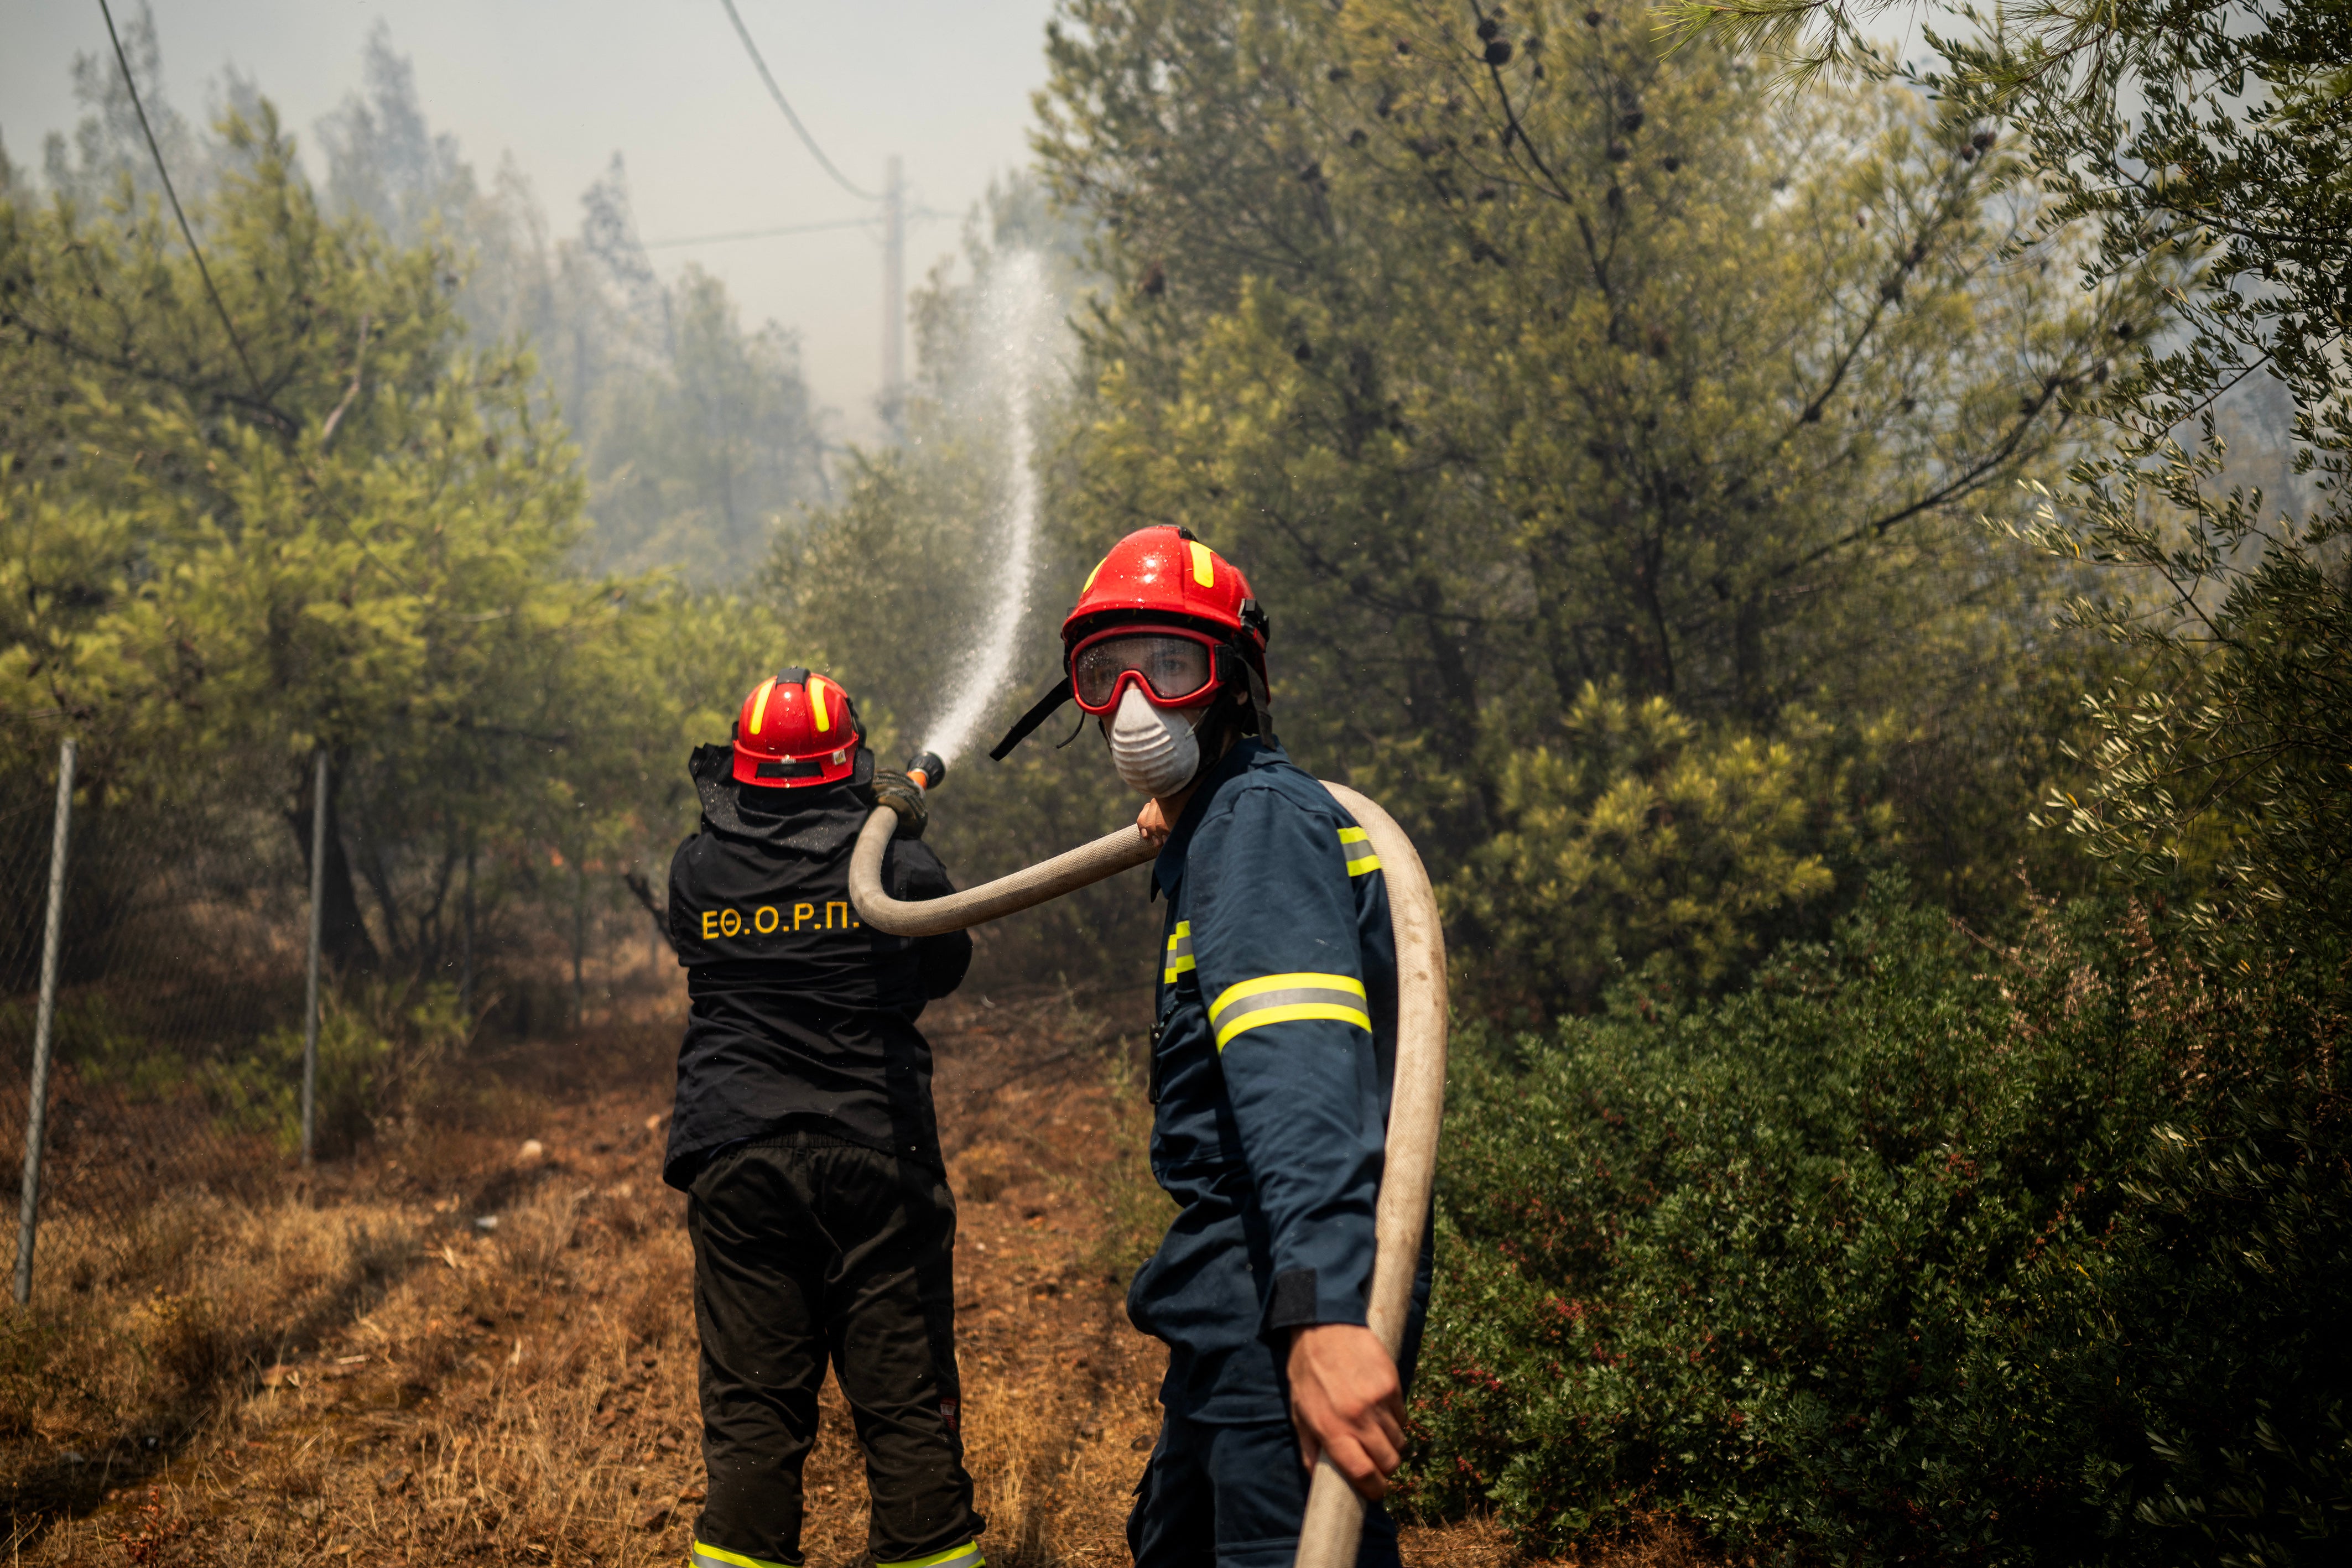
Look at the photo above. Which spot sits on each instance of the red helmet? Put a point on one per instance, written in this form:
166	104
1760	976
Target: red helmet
797	729
1165	574
1162	576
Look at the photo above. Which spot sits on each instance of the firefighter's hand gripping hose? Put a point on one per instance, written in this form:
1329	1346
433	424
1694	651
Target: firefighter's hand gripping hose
1334	1522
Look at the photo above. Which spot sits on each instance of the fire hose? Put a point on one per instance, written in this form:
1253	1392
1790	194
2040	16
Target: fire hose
1335	1519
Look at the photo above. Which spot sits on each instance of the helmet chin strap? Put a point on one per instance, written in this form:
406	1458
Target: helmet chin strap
1261	704
1043	709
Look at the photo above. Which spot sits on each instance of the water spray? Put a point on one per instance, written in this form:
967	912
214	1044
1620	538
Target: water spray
1017	319
1334	1521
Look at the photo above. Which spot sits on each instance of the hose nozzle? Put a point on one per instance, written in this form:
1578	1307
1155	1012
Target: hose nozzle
926	769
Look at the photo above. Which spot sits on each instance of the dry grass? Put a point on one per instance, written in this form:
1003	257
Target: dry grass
372	1376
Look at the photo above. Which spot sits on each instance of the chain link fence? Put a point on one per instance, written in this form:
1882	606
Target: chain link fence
176	953
185	1050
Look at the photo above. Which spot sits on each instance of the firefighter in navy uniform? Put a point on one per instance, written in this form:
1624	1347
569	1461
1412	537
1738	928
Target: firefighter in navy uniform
803	1136
1272	1057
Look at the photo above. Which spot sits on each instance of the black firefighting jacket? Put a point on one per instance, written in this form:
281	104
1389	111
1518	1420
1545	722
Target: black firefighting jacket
1271	1060
801	1019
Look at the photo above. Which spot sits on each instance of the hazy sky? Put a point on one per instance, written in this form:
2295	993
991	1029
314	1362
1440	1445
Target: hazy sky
564	86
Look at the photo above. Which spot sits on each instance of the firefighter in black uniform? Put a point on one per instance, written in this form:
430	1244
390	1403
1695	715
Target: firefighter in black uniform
1272	1054
803	1136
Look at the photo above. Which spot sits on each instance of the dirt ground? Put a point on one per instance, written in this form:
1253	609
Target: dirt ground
487	1351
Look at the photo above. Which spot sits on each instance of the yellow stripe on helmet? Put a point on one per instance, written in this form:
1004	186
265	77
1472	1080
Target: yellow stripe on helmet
817	703
759	704
1204	564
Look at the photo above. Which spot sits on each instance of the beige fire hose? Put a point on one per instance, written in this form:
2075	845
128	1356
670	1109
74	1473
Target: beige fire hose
1335	1520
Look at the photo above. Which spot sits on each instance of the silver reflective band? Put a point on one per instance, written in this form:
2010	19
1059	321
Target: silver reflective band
965	1556
706	1555
1180	953
1280	998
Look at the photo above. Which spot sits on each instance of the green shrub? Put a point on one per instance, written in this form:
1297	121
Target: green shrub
376	1047
112	1050
1647	838
1913	1250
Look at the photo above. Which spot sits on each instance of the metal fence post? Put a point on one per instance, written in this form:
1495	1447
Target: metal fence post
36	1114
579	942
465	946
310	997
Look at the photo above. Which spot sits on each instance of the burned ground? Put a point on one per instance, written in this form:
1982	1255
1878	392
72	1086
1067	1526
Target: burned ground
456	1350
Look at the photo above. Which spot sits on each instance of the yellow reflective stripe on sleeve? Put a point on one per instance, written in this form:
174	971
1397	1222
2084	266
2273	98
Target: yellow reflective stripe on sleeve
1358	865
1204	564
817	703
965	1556
1279	998
706	1555
1180	953
759	704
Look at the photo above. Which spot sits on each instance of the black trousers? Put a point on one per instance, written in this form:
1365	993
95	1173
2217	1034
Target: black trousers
806	1252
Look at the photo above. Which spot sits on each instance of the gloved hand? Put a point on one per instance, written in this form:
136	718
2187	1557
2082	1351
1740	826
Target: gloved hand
901	795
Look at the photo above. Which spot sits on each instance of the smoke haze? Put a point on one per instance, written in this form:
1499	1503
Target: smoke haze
559	90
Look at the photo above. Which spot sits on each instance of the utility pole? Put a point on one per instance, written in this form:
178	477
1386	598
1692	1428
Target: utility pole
894	301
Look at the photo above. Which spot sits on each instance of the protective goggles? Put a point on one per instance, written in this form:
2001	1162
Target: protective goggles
1176	667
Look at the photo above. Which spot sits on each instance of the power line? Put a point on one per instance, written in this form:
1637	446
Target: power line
760	233
917	215
185	232
777	93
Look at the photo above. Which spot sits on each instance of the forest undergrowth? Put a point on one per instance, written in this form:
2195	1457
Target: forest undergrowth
373	1371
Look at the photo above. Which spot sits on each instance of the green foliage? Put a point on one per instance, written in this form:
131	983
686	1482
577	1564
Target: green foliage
1911	1251
378	1046
2240	728
2174	1384
2208	142
1513	358
2207	1328
362	545
1643	840
111	1050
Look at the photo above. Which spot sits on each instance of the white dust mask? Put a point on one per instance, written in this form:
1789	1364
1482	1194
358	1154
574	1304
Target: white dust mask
1153	749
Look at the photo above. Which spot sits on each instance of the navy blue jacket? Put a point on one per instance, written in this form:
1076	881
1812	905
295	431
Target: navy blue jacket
1272	1059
